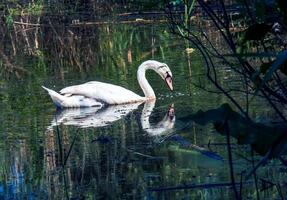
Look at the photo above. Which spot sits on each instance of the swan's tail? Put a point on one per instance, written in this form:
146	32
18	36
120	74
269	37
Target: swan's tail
57	98
74	101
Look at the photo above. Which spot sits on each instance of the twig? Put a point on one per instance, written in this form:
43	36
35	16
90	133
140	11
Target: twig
193	186
71	147
28	24
140	154
230	160
59	141
255	176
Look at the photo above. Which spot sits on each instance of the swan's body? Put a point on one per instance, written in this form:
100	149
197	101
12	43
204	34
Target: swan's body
96	93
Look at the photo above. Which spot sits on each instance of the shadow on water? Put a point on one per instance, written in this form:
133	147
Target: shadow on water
262	137
267	139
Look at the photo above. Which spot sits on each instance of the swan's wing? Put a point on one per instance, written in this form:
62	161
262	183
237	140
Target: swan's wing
72	100
108	93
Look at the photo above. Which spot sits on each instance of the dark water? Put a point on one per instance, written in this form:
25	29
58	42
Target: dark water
129	152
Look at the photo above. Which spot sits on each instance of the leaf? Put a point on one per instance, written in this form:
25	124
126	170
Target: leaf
256	78
189	50
283	8
191	7
182	33
277	64
9	20
280	62
257	31
265	66
283	68
260	9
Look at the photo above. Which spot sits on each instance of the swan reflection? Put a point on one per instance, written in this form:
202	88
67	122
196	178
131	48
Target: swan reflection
92	116
100	117
164	127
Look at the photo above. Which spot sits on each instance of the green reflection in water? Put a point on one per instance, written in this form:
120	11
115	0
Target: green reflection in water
120	160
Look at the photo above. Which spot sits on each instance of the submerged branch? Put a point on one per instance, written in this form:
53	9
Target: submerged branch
193	186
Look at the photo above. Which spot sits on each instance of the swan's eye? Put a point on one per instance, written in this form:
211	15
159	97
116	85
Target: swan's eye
160	67
168	75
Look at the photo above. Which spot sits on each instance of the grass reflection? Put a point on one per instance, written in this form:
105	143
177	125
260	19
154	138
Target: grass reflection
121	160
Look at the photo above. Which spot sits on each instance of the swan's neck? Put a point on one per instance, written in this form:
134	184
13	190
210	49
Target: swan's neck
146	112
145	86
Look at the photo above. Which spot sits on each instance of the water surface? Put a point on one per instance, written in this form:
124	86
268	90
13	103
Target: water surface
131	152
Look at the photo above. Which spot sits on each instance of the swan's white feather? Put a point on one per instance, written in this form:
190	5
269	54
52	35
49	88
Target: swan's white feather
72	101
104	92
96	93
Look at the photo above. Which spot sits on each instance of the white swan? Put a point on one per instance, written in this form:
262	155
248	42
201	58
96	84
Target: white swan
96	93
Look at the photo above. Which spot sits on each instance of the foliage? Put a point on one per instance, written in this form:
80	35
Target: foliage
140	5
16	9
262	34
34	8
254	36
110	52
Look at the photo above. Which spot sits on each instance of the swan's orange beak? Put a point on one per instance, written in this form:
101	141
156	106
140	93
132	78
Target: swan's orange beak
168	81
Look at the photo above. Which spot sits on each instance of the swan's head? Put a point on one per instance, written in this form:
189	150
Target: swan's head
162	69
165	73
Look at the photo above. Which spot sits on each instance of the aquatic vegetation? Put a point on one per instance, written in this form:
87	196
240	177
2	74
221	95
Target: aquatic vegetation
216	136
